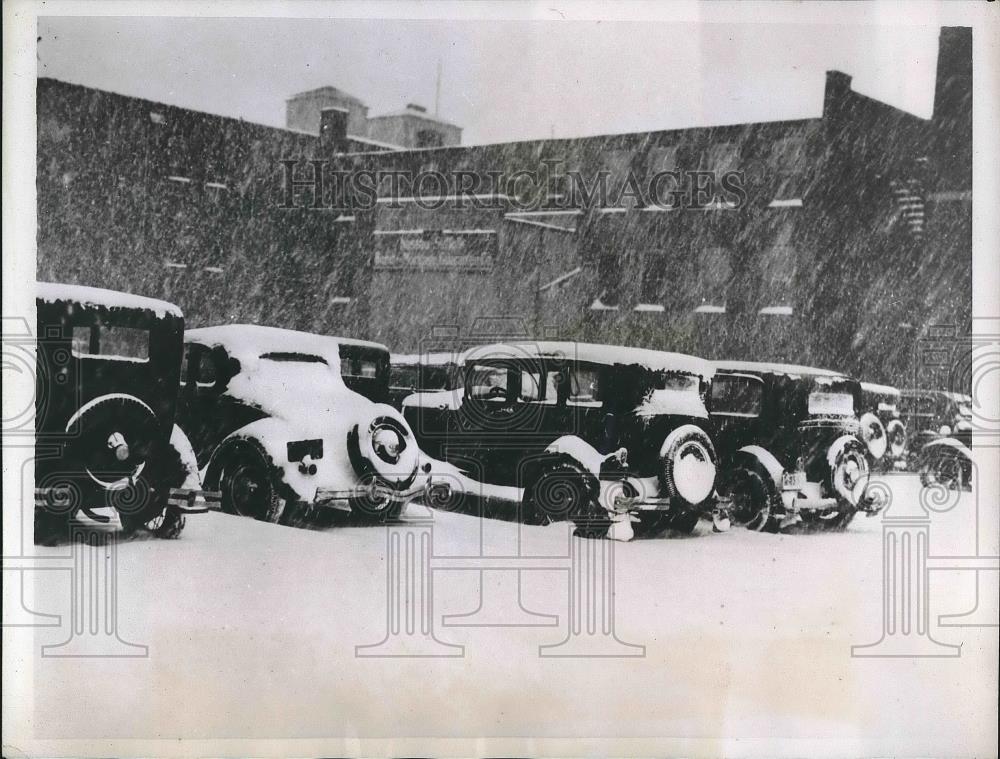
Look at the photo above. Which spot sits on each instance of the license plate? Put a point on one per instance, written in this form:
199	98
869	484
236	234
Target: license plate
793	480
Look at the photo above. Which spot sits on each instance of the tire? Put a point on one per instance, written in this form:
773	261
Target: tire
560	492
756	502
700	444
247	485
144	505
165	523
684	521
943	469
135	424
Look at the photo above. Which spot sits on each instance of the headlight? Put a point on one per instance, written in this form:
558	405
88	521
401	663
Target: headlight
874	435
944	431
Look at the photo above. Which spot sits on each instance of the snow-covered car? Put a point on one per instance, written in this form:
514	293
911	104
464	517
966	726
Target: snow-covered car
882	426
941	445
791	443
411	373
595	434
107	370
280	418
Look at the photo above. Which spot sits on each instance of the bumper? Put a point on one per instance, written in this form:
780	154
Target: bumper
340	499
186	500
191	501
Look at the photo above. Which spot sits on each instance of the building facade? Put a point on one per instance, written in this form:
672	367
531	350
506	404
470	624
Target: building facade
849	234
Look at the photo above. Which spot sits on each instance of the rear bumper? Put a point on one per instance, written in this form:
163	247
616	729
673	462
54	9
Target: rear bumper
186	500
340	499
191	501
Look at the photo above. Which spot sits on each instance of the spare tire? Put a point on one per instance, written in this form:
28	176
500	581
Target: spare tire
688	465
114	438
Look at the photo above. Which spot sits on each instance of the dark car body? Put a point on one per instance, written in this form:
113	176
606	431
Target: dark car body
521	406
108	366
940	424
422	373
790	442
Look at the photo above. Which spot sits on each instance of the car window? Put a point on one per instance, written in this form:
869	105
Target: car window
207	373
185	364
487	382
534	390
403	376
583	385
736	395
112	342
822	403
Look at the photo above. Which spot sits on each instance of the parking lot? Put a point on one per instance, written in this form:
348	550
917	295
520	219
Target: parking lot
261	622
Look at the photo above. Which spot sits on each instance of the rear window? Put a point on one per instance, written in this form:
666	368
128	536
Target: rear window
403	376
111	342
303	358
736	396
831	404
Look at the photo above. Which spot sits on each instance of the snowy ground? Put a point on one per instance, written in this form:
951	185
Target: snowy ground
252	631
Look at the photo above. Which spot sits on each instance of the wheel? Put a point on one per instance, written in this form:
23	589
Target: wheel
756	502
166	523
143	505
560	492
944	469
684	521
247	486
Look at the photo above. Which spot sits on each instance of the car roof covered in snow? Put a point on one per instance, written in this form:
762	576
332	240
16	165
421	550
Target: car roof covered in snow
874	387
434	358
96	297
763	367
611	355
254	340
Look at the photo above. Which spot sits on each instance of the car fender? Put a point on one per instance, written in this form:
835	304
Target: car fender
580	451
334	469
181	444
766	460
948	443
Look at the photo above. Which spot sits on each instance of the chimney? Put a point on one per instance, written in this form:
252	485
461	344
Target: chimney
838	87
333	129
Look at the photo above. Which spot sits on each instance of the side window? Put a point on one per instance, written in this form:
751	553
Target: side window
185	364
487	382
584	386
81	341
207	374
736	395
